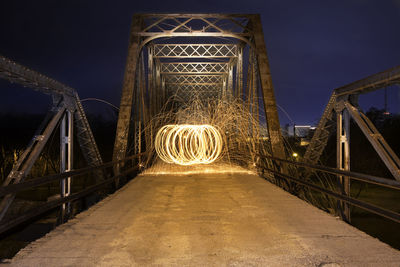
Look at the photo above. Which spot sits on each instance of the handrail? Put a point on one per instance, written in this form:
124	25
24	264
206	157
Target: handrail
354	175
14	188
392	215
53	204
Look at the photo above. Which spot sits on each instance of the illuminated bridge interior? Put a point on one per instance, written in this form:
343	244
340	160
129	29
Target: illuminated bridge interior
201	173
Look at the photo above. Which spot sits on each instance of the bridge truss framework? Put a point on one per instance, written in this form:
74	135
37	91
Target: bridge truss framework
193	54
67	112
343	106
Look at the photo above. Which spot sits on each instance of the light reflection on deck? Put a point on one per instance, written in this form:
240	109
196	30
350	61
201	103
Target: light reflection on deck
162	168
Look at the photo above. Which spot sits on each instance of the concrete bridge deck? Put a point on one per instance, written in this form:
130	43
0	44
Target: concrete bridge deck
205	220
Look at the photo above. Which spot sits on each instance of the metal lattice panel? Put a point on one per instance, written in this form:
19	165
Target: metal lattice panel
195	50
195	87
194	68
199	24
204	79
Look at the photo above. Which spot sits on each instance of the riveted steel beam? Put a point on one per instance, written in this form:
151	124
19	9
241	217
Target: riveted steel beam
267	90
371	83
195	50
124	116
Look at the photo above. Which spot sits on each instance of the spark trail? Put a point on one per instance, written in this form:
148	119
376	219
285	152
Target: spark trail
188	144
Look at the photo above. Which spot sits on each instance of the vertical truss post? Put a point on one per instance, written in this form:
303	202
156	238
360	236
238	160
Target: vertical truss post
343	157
124	116
255	98
155	86
239	73
268	96
230	83
66	159
139	105
150	79
144	106
137	113
224	87
249	91
252	101
163	89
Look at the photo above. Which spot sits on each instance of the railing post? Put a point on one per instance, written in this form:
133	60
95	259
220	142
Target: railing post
343	157
66	159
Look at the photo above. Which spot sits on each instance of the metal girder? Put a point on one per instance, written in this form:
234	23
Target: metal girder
195	50
194	68
85	138
124	116
17	73
268	95
343	157
371	83
66	158
384	151
204	79
321	134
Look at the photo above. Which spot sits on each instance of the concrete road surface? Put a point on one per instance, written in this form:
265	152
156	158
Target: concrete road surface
205	220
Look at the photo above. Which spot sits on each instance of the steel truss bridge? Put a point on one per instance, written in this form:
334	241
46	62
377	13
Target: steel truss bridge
176	58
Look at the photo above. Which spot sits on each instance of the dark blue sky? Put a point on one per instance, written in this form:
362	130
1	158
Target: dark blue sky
313	46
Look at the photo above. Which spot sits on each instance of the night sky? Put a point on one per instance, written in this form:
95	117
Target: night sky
313	47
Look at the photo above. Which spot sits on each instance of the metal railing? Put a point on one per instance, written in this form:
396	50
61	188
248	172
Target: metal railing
35	182
341	196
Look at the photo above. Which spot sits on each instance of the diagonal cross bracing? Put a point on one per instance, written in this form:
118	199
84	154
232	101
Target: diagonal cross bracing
195	50
194	68
183	79
195	24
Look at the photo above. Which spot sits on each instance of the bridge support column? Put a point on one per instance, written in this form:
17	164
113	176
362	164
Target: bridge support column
239	74
343	158
125	112
66	159
267	90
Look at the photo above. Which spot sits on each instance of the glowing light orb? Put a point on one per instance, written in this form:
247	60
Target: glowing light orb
186	144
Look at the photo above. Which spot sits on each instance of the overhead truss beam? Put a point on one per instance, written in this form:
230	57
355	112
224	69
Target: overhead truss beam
195	51
194	68
371	83
16	73
197	24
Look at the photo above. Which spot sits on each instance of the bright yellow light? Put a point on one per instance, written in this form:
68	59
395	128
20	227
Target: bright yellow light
186	144
295	154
